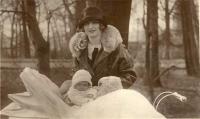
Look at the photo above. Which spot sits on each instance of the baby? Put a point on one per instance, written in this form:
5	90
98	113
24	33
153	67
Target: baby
81	90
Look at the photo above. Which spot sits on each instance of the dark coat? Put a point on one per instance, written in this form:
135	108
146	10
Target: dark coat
116	63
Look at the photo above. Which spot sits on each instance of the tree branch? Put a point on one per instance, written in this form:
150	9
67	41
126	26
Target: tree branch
165	71
161	4
10	11
68	10
143	18
173	7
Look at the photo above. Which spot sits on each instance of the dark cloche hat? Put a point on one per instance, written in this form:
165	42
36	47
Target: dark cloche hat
92	13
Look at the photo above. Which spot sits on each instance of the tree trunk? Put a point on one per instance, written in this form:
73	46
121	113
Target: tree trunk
66	49
2	38
190	46
41	46
196	21
54	55
152	58
25	36
17	37
73	19
118	14
167	30
59	39
12	37
21	48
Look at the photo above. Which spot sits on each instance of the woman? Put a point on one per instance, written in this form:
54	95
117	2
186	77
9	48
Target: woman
98	48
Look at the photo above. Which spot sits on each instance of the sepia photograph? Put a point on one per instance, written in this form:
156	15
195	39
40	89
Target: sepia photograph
99	59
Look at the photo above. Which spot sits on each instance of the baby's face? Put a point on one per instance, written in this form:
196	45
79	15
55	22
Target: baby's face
82	86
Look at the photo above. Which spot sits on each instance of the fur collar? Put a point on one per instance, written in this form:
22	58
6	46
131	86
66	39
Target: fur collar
111	38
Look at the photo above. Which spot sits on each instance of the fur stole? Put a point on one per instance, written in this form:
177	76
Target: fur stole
111	38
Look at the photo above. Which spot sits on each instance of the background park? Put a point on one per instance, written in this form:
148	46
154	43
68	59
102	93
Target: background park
161	35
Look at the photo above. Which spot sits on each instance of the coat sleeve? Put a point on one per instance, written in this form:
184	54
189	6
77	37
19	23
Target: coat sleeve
125	68
76	65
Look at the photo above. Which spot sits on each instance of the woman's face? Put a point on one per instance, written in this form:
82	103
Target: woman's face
92	29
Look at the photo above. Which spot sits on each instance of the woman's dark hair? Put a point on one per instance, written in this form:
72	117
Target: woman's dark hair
102	27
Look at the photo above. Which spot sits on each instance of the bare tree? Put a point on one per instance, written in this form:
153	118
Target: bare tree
18	15
190	44
21	53
73	17
25	35
12	37
168	13
167	31
17	35
117	13
150	24
67	35
2	36
152	58
54	54
41	46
